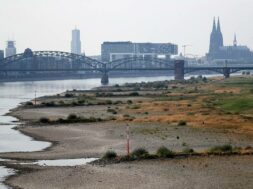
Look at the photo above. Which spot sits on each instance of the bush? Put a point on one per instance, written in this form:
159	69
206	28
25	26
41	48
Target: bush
140	153
129	102
49	104
164	152
110	155
72	117
68	95
227	148
29	104
108	102
44	120
112	111
134	94
182	123
188	150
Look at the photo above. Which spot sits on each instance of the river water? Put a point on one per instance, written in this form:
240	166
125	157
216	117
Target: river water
14	93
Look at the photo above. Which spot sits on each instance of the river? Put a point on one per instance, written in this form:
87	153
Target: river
14	93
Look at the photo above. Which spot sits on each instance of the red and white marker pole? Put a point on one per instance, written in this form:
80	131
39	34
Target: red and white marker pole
128	141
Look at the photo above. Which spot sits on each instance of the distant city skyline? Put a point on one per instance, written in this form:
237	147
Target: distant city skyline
45	25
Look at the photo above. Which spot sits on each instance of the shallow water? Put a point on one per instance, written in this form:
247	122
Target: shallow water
65	162
14	93
4	172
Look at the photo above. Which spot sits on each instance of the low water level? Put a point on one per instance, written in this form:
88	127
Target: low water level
12	94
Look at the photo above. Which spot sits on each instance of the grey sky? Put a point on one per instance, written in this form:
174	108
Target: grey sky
47	24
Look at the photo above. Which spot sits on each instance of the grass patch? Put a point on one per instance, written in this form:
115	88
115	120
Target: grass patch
237	104
227	148
164	152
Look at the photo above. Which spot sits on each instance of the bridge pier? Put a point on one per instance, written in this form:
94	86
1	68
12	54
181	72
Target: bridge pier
105	79
226	72
179	70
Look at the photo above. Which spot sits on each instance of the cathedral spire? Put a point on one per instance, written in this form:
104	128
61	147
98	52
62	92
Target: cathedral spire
214	25
218	25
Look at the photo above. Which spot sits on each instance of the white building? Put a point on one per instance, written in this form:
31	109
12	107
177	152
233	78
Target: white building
76	42
10	49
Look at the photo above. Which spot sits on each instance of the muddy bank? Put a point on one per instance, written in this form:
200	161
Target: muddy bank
213	172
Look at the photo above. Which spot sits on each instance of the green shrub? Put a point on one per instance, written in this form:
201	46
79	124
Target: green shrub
118	102
134	94
108	102
135	107
81	101
188	150
112	111
49	104
44	120
110	155
227	148
72	117
69	95
182	123
129	102
29	103
164	152
140	153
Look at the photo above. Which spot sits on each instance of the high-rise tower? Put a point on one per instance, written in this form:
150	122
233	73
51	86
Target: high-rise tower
76	42
10	49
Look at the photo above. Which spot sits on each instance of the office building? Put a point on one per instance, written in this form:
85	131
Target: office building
76	42
10	49
116	50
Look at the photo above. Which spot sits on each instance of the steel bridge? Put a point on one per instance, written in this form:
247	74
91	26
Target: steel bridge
31	63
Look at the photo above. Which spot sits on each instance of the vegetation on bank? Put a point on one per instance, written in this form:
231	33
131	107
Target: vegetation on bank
72	118
165	153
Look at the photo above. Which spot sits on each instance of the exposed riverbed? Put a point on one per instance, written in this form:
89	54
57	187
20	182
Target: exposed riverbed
14	93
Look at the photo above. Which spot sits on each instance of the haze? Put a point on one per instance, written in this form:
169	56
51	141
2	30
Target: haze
47	24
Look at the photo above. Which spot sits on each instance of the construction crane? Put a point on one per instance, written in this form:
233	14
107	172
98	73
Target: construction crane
184	47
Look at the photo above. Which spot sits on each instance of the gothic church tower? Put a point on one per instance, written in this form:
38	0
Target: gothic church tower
216	38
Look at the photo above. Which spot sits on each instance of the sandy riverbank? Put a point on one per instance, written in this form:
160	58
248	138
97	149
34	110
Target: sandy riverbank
153	121
205	173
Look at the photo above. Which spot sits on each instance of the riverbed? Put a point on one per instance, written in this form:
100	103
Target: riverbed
14	93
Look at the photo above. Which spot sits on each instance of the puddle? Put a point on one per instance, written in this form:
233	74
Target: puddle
65	162
4	172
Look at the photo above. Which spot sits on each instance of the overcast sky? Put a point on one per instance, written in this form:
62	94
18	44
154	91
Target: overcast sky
47	24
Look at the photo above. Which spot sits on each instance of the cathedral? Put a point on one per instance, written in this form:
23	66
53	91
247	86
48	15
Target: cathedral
219	52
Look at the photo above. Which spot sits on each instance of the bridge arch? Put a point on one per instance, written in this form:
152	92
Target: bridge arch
30	58
139	63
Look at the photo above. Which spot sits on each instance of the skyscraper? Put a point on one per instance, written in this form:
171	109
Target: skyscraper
76	42
10	49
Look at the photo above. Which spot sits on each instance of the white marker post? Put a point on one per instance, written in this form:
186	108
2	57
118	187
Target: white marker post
35	100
